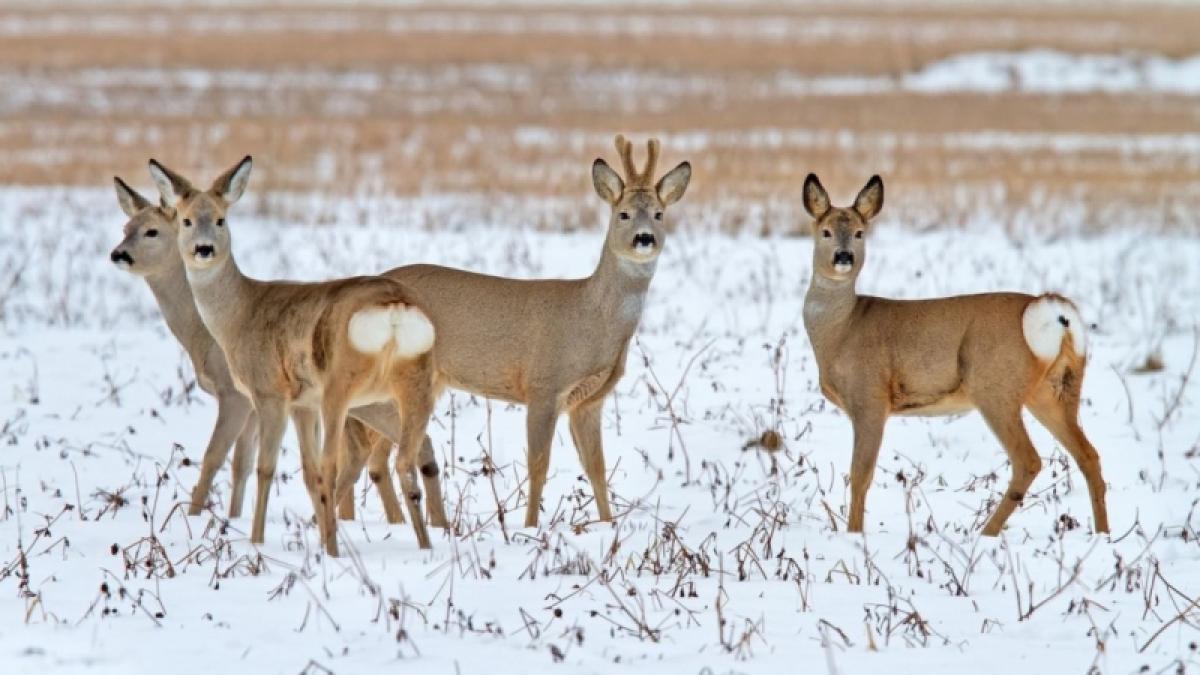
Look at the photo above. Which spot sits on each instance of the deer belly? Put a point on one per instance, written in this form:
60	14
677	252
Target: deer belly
915	404
370	398
584	390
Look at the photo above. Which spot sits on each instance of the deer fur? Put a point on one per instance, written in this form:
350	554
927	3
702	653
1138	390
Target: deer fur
149	250
555	345
992	352
313	347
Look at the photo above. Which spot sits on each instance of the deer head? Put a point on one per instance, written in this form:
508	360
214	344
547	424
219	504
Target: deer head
636	228
149	243
839	249
203	239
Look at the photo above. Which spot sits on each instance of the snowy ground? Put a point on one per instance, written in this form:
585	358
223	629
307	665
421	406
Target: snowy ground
724	559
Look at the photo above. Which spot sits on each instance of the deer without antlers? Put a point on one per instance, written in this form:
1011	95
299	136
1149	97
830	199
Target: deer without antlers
330	346
994	352
556	345
149	250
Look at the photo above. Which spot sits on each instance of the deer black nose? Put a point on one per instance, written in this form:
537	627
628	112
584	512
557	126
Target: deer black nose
120	256
204	251
843	258
644	239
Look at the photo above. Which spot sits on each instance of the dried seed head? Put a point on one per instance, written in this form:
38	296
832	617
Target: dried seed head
770	440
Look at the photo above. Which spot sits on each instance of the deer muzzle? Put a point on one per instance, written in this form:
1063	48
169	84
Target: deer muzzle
843	261
644	242
121	258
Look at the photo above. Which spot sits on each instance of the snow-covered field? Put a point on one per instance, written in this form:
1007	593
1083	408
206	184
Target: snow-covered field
724	559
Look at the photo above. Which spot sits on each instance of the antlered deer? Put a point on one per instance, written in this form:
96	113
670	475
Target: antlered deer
995	352
556	345
324	346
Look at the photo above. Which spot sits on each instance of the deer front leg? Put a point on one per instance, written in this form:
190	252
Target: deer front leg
359	443
308	429
539	429
232	411
243	460
384	418
1005	421
272	420
333	418
586	432
868	435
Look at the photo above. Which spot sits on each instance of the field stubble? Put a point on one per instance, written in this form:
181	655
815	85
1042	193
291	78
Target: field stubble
425	100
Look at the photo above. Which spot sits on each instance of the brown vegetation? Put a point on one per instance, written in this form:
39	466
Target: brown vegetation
437	99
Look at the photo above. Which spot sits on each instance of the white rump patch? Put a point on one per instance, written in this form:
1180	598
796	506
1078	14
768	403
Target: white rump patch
1045	323
372	329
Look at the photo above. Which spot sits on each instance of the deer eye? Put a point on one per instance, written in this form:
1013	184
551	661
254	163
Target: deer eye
624	215
152	233
220	222
826	233
187	222
658	215
858	234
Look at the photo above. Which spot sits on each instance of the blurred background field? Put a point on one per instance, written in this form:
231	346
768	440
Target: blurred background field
1054	116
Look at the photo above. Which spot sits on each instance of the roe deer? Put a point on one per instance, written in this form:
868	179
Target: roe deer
326	346
555	345
994	352
149	250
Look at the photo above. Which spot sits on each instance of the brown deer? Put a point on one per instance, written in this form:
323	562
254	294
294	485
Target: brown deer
555	345
325	346
993	352
149	250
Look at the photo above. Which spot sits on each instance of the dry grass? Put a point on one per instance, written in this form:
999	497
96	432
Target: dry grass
445	99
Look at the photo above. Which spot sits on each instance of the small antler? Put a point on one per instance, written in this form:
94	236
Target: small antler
633	177
625	150
652	148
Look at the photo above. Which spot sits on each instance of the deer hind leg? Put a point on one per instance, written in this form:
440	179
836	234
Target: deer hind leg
1059	413
333	419
435	503
272	420
414	398
383	418
232	411
589	442
539	428
1004	419
868	436
243	460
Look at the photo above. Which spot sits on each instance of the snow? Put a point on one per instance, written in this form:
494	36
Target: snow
97	400
1052	72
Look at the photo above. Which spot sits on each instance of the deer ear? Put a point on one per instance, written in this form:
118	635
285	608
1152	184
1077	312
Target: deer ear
171	186
816	200
869	201
131	202
608	184
674	183
231	184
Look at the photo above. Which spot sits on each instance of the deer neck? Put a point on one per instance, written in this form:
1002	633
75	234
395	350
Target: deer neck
174	297
617	290
828	309
222	295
